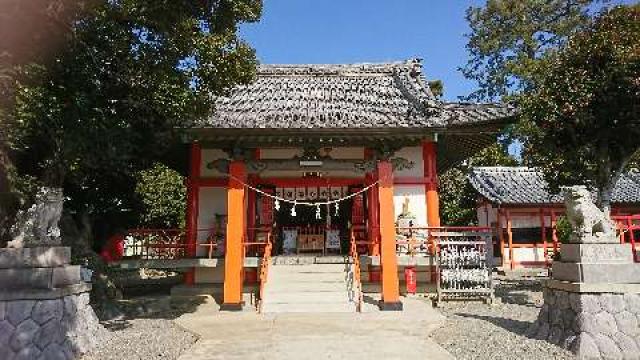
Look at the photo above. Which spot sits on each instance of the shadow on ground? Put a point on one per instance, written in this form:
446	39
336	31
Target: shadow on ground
515	326
517	291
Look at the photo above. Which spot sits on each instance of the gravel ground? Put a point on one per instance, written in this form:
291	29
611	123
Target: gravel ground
142	339
474	330
146	332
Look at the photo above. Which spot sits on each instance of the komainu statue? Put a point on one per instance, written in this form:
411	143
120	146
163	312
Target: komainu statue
589	223
38	225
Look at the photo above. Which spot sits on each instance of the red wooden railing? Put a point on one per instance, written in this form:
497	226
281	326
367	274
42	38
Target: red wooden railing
155	244
355	282
264	269
149	244
628	227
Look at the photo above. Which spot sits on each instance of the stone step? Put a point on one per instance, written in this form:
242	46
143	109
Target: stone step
284	279
310	308
310	259
310	297
306	286
312	268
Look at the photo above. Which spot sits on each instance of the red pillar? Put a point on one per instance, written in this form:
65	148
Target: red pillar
372	210
251	211
236	222
388	259
429	155
193	192
543	228
510	239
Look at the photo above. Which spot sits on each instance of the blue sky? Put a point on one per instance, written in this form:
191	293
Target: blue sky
348	31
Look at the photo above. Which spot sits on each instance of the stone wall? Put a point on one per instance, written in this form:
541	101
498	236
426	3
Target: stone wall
592	325
60	328
44	306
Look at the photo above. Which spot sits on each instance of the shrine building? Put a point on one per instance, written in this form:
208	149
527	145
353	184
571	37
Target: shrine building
322	160
516	203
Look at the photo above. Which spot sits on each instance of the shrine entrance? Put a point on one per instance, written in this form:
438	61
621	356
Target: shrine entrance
298	228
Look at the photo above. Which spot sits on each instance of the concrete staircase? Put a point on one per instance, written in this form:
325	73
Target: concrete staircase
295	286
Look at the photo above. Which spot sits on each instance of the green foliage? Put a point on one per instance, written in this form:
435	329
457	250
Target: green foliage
162	193
458	199
508	36
563	229
108	102
581	116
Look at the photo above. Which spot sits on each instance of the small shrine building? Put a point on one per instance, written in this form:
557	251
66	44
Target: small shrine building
515	201
310	157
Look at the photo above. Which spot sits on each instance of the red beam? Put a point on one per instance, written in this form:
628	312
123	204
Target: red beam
407	180
213	182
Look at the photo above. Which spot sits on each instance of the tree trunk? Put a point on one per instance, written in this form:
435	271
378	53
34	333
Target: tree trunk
604	199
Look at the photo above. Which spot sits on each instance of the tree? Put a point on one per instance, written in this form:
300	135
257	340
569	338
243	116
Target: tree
508	36
107	105
581	116
44	25
162	192
458	199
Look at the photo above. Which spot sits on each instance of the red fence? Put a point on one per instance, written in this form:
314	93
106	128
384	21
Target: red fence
173	244
628	227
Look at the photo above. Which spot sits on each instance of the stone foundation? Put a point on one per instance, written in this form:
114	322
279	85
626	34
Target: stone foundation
61	328
592	325
44	306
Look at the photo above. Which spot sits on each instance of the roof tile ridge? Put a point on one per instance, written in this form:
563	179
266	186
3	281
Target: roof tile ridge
507	167
487	191
412	84
335	69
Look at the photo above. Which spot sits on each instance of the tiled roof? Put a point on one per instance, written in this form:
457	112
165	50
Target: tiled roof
523	185
373	96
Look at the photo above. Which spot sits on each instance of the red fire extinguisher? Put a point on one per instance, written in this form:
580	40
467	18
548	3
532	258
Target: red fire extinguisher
410	278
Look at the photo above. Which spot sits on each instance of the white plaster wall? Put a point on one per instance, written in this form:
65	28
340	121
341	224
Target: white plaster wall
525	254
346	153
517	220
298	173
334	152
280	153
488	217
288	153
209	155
413	153
212	201
417	202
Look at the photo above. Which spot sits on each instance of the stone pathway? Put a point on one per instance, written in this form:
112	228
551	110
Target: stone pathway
368	335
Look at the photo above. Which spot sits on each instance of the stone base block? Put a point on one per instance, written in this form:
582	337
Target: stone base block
592	325
597	238
39	278
577	287
58	328
597	273
66	275
597	253
35	257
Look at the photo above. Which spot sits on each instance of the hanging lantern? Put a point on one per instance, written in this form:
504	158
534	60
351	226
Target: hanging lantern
293	210
317	211
277	204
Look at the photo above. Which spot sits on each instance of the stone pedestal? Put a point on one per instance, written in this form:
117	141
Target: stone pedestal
44	306
592	304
